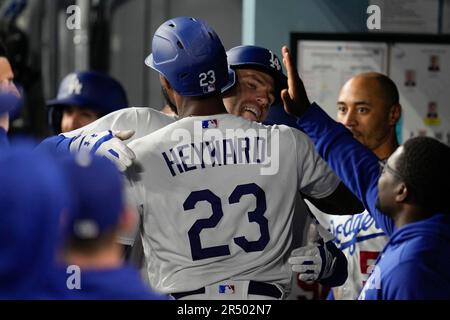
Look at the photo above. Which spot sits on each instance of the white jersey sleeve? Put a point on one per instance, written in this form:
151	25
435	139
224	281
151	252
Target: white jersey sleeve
133	200
142	120
315	178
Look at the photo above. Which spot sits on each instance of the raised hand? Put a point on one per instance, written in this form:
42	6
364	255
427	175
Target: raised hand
295	98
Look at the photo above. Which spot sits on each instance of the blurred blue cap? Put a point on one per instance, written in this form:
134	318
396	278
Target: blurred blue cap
89	90
9	102
97	191
33	195
93	90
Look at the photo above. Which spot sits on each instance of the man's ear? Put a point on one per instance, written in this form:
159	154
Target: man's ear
401	193
395	114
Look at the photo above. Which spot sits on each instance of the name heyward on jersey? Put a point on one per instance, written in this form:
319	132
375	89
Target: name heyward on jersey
212	148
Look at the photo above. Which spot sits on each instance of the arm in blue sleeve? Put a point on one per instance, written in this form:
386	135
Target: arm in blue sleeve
413	280
353	163
4	143
56	144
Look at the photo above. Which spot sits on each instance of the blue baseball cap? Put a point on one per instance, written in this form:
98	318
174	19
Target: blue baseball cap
9	102
33	197
88	89
97	190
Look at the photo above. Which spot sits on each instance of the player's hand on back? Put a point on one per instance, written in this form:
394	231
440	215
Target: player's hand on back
295	98
109	144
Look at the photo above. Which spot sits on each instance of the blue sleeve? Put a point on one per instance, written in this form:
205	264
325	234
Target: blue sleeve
4	143
56	144
413	281
354	164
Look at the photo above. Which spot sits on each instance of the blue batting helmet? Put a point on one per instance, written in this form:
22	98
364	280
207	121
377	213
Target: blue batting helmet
190	55
254	57
88	89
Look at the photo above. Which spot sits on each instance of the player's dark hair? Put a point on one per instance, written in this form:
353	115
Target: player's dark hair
388	87
424	165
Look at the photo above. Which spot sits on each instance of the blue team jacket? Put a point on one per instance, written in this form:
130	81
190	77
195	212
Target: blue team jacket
415	263
121	283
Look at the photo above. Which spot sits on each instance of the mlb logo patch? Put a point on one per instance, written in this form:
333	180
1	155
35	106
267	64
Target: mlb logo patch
226	289
209	88
210	124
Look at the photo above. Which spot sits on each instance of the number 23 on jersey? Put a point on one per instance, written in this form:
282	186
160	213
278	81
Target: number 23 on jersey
256	216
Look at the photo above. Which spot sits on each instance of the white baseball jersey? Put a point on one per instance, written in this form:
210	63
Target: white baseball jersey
361	241
209	214
142	120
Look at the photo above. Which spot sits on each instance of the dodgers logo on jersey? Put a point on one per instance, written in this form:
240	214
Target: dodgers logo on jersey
226	289
357	228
